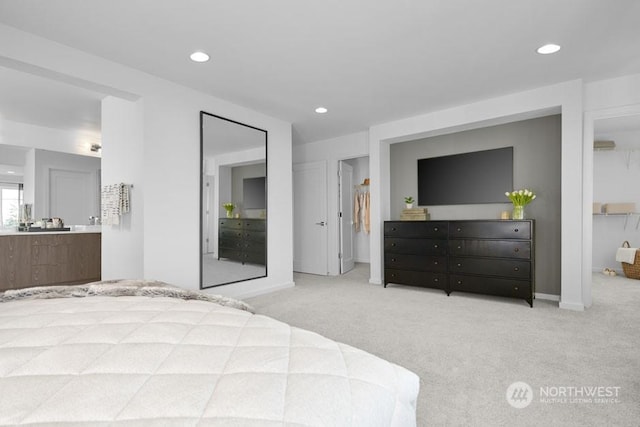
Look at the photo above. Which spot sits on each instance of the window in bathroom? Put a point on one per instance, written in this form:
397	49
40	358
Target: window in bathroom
10	201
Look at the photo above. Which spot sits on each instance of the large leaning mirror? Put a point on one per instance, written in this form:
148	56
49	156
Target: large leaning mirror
233	201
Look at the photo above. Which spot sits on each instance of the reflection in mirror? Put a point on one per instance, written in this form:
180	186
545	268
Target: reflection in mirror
233	199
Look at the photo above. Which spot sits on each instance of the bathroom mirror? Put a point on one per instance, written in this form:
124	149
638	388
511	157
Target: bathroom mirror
233	201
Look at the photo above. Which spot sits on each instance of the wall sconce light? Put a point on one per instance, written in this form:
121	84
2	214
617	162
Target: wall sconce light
96	147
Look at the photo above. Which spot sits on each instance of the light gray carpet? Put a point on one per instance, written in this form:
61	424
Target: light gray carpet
467	349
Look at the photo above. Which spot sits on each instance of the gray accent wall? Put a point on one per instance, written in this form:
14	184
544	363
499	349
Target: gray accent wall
536	165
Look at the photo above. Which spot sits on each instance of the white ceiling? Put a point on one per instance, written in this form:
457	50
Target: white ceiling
367	61
26	98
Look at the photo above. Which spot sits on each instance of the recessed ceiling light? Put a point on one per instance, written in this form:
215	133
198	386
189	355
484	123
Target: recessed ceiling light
11	172
199	57
321	110
548	48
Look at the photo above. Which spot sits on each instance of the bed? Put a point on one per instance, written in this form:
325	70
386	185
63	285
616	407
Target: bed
145	353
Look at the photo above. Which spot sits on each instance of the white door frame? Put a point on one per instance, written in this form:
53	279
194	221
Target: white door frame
345	216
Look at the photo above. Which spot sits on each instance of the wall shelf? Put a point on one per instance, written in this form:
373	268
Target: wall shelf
625	215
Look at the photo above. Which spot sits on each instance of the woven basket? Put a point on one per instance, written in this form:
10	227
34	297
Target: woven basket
632	271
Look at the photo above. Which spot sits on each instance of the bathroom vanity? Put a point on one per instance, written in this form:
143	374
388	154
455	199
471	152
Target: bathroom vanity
49	258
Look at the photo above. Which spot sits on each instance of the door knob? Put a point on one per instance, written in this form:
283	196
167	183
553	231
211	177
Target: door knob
321	223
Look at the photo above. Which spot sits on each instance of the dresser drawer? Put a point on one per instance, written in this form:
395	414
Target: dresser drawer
255	257
490	229
491	286
253	247
229	253
415	246
230	223
415	262
255	224
491	248
490	267
255	236
230	243
431	229
424	279
230	233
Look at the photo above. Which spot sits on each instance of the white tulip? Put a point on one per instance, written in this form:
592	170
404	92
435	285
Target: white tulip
534	196
521	192
507	194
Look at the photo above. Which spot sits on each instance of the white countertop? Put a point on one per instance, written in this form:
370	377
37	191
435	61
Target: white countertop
75	229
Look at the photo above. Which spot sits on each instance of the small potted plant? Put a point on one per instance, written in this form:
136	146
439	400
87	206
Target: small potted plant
409	202
229	207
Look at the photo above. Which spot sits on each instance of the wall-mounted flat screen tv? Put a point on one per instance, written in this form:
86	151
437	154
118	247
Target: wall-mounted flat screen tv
469	178
254	193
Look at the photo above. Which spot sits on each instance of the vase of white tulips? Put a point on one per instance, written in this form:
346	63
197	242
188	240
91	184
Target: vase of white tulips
229	207
520	199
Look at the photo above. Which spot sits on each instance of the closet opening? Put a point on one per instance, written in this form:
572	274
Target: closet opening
353	212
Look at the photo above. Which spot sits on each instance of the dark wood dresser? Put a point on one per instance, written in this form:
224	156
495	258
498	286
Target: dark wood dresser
493	257
243	239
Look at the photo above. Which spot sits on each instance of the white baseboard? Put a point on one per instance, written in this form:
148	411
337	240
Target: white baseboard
571	306
547	297
263	291
375	281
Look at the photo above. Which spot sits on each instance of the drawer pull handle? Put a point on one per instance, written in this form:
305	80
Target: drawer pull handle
393	260
516	269
393	229
459	265
435	262
516	230
435	246
516	250
435	228
459	282
393	244
459	229
435	280
515	288
459	247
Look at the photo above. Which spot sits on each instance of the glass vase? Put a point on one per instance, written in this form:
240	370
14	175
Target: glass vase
518	212
229	214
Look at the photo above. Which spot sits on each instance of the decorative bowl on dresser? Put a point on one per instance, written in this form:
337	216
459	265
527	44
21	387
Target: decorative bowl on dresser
493	257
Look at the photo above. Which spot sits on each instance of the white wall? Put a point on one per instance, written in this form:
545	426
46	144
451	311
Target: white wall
171	147
565	98
122	157
44	138
332	150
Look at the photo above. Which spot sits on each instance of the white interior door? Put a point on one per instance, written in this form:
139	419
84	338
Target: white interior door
72	195
310	218
346	216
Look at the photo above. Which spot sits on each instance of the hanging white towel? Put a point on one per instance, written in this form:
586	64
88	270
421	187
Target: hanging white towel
627	255
115	203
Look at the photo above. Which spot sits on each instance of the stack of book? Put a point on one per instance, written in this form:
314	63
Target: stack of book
415	214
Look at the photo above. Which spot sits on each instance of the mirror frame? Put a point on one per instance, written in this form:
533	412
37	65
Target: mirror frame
266	165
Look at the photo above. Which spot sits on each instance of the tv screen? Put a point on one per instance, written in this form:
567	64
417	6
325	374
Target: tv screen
254	193
469	178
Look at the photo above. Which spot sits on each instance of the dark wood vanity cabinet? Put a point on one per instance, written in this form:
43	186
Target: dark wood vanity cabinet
494	257
49	259
243	239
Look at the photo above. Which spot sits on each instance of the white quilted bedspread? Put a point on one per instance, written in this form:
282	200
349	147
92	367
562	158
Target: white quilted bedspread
164	361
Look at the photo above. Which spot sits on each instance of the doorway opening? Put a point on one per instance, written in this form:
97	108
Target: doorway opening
353	212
